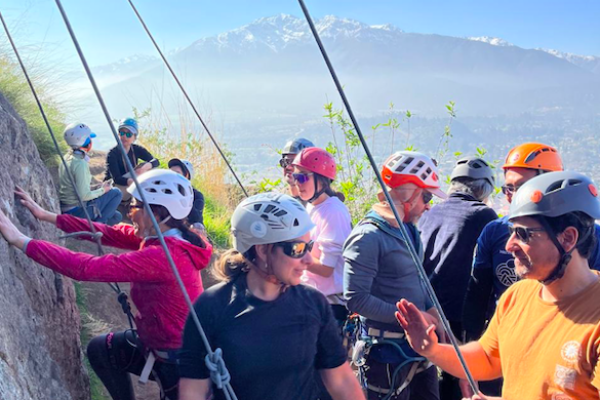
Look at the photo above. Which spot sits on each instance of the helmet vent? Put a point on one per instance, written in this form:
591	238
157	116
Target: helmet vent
296	222
167	191
280	213
257	207
269	208
181	190
151	190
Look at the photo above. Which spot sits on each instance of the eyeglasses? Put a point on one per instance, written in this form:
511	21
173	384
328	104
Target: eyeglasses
302	178
295	249
285	162
126	133
427	197
523	234
509	189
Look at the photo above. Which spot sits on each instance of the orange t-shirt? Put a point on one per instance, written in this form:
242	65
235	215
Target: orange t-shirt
548	351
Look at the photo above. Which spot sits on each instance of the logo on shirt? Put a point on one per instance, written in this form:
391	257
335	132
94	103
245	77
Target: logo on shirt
505	273
565	377
571	352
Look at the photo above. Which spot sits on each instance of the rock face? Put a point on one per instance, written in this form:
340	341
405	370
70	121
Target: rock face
40	349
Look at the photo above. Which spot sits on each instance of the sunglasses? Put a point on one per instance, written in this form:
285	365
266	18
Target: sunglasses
509	189
285	162
295	249
523	234
427	197
302	178
126	133
135	206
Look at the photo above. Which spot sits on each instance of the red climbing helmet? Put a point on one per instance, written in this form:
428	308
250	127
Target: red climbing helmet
316	160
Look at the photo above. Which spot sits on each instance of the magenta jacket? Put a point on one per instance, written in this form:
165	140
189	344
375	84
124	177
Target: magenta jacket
162	310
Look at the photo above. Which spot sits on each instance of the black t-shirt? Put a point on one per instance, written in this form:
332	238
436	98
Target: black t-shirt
271	349
197	212
115	165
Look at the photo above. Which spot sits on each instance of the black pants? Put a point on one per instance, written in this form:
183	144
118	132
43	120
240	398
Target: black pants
115	355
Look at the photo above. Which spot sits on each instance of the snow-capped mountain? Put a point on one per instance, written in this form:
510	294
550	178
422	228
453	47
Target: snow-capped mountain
272	66
589	63
494	41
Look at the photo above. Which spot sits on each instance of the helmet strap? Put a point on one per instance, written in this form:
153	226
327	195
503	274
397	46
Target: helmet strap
407	205
318	192
565	256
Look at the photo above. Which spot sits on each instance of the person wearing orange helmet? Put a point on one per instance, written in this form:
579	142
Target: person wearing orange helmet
379	269
494	267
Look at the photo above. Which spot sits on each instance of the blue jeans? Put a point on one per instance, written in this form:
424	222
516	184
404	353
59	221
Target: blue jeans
103	209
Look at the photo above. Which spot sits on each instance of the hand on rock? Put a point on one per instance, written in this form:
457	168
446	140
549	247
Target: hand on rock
34	207
10	232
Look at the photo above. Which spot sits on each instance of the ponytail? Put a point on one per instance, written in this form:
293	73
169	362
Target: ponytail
232	264
182	224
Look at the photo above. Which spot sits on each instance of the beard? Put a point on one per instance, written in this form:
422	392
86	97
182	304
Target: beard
523	266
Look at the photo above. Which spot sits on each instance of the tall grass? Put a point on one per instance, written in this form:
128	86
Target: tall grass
15	88
210	171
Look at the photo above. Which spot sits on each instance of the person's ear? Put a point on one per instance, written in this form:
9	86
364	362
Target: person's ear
568	238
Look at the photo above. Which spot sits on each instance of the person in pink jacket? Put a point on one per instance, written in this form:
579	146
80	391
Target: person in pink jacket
162	310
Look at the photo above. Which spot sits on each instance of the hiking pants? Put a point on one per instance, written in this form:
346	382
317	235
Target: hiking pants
102	209
115	355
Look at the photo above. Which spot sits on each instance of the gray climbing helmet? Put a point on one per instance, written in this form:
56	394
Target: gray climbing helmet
296	146
555	194
474	168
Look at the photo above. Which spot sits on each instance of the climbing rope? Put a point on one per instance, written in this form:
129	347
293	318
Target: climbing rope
411	249
187	97
221	378
93	233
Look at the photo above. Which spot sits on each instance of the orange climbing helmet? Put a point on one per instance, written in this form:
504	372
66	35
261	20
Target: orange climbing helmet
534	156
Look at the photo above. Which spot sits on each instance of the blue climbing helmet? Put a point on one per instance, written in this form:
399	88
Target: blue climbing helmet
130	124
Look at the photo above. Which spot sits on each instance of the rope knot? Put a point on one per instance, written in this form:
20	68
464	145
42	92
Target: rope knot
218	371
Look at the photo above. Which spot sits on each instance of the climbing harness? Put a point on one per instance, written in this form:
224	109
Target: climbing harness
93	233
413	253
220	375
187	97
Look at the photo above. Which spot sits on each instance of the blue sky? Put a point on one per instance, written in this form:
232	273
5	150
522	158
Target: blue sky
108	30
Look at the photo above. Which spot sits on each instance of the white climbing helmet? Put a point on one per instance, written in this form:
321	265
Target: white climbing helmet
185	165
77	134
166	188
405	167
268	218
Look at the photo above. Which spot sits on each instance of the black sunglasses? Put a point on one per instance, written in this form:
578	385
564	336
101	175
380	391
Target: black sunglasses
427	197
285	162
295	249
523	234
135	206
509	189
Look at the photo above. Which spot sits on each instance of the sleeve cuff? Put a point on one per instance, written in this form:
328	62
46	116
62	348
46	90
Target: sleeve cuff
24	248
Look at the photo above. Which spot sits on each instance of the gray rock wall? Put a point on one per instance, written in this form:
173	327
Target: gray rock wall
40	353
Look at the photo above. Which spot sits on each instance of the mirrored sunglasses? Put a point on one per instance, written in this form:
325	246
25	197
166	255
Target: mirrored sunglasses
302	178
126	133
296	249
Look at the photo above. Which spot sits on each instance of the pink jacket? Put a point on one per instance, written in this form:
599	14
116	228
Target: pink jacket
162	310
